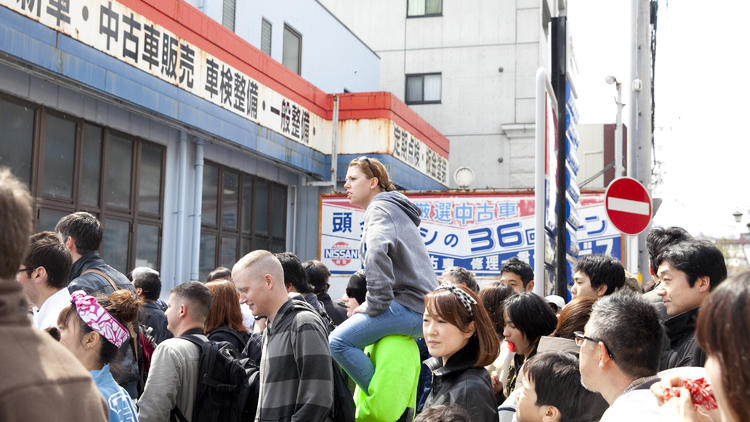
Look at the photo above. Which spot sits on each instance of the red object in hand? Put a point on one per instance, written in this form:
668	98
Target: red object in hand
701	393
511	347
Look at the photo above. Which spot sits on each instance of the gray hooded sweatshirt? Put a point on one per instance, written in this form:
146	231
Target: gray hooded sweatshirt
397	265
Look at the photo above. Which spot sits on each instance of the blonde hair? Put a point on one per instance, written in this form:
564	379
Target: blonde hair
372	167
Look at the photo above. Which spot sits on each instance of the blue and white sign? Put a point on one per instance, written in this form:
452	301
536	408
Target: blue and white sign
475	231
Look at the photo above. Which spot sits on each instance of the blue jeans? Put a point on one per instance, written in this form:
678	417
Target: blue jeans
360	330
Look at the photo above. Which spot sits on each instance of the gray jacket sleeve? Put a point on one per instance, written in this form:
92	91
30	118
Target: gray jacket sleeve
380	237
160	393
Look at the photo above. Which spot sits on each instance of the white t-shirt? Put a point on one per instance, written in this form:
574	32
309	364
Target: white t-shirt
636	405
47	314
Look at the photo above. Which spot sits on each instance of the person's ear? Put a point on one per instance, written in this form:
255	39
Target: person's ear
70	243
530	286
551	414
471	329
604	358
90	340
374	182
183	310
40	275
703	283
269	281
601	290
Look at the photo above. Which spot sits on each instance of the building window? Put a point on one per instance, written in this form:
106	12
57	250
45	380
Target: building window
420	8
240	213
227	14
423	88
292	54
72	165
265	36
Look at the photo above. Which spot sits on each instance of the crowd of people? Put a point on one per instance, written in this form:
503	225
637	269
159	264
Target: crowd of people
84	342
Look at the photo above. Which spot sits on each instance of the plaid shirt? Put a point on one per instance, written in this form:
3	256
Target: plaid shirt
296	378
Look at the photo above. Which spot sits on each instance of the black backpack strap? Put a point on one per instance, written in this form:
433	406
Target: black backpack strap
193	339
175	415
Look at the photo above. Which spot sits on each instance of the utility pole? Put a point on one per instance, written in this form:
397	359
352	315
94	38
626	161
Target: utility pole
558	78
641	135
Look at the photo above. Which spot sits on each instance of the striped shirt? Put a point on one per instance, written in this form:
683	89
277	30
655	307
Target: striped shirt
296	378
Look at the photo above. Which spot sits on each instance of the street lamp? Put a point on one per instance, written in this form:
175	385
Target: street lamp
737	216
618	126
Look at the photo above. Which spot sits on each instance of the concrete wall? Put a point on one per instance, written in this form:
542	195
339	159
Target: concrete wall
468	44
333	58
591	154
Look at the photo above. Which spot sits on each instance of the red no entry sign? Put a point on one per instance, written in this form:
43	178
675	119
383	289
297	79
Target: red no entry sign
628	205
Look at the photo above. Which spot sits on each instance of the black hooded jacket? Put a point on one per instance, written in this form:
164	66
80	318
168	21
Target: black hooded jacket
682	349
459	382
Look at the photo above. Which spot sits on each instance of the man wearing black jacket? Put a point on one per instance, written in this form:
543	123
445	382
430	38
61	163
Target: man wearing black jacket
688	271
82	234
318	275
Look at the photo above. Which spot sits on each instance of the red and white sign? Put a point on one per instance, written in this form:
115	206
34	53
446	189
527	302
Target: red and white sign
628	205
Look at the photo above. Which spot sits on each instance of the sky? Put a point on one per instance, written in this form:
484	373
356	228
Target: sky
701	101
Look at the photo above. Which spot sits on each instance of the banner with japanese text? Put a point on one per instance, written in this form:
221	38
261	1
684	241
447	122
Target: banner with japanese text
120	32
475	231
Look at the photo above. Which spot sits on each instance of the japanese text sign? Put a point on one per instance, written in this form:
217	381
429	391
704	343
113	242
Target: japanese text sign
120	32
475	231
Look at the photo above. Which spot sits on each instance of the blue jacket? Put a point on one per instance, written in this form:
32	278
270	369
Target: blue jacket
121	407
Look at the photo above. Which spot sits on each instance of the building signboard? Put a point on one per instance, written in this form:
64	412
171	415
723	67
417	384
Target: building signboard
120	32
475	231
409	149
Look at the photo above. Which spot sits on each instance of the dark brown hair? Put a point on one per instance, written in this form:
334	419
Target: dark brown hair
574	317
723	332
219	273
225	307
46	250
84	228
372	167
493	298
123	305
447	306
15	213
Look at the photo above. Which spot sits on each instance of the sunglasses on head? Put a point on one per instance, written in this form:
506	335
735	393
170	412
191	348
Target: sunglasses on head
369	164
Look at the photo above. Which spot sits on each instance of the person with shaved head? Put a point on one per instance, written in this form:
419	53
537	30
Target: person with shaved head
296	375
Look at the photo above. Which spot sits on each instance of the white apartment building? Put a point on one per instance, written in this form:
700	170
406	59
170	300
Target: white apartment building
468	68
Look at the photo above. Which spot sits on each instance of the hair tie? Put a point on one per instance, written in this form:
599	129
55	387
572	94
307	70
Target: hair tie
98	319
464	297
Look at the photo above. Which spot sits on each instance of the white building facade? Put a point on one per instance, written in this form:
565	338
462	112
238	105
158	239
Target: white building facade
467	67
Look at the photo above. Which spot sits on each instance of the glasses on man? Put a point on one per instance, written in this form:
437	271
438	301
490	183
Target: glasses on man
27	270
580	337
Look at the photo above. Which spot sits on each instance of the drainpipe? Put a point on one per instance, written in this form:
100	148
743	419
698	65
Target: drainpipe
197	202
539	189
294	219
334	149
177	274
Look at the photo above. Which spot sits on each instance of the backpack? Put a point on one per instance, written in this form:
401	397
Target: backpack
145	349
228	384
343	408
242	338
